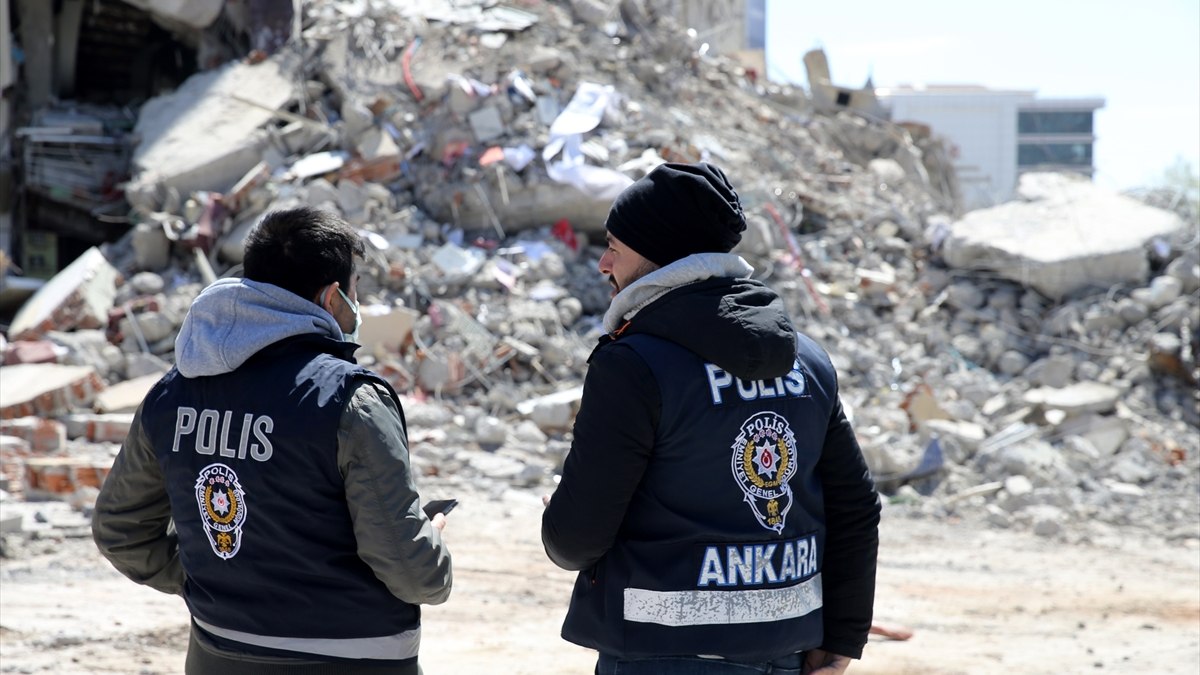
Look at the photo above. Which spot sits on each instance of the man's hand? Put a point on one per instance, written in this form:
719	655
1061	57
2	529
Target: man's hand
545	500
439	521
821	662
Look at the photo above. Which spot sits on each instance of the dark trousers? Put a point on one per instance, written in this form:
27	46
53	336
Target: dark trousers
695	665
204	659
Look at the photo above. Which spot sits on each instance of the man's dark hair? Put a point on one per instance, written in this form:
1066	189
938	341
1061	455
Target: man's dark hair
302	250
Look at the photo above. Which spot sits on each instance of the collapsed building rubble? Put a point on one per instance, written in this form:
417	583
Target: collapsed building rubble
477	148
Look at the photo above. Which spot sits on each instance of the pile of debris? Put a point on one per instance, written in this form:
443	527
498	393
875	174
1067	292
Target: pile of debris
1044	379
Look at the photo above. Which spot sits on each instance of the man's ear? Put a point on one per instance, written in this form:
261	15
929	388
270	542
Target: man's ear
325	297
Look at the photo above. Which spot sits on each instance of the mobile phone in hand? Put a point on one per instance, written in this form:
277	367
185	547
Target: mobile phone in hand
442	506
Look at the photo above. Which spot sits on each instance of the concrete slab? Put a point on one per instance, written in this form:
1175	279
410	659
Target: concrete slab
386	328
77	297
1063	235
46	389
208	133
126	396
1076	399
553	411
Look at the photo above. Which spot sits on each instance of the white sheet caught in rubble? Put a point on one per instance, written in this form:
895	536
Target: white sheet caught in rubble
582	115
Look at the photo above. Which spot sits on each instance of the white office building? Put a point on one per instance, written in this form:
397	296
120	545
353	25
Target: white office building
995	135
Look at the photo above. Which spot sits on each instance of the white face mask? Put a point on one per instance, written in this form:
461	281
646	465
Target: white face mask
352	336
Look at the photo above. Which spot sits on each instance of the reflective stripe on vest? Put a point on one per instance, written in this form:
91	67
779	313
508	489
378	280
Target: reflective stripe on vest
390	647
700	608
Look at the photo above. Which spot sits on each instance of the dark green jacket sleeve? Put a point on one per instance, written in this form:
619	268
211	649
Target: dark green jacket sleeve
132	522
395	538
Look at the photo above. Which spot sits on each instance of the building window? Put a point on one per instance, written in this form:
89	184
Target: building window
1054	122
756	24
1068	154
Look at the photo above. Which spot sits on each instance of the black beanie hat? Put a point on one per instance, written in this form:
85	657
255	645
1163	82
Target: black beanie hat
678	210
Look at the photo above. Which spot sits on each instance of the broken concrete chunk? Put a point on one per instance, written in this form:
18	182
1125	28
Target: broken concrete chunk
99	428
528	431
1162	291
79	296
139	364
46	390
1066	236
457	261
490	431
1075	399
321	191
386	328
542	59
150	326
1012	362
1052	371
486	124
440	372
968	434
1186	268
31	351
227	107
965	295
888	170
375	144
126	396
42	436
553	412
61	477
151	247
1105	433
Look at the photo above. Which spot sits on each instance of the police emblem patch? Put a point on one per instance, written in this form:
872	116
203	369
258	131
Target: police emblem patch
764	460
222	505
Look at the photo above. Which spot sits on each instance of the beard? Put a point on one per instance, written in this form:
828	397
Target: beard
642	270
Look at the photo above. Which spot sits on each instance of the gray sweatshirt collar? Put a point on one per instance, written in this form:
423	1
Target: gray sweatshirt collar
688	270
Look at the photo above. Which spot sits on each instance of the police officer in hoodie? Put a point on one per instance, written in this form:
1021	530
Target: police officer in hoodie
266	477
715	499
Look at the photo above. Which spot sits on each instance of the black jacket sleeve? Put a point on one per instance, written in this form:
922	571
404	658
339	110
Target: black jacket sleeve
613	436
851	539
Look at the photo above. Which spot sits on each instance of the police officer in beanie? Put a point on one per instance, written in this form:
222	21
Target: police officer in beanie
715	499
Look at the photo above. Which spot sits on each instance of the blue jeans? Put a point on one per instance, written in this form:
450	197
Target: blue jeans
695	665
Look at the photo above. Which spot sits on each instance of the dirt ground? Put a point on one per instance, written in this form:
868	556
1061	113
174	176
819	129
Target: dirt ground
979	600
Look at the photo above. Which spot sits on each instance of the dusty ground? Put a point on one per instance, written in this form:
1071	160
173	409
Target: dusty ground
980	601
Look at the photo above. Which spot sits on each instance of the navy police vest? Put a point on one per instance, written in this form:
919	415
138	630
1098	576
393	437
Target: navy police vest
721	549
250	463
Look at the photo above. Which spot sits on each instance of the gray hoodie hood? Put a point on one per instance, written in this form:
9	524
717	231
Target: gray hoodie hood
686	270
706	304
233	319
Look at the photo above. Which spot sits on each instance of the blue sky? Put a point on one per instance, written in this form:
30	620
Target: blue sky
1141	56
